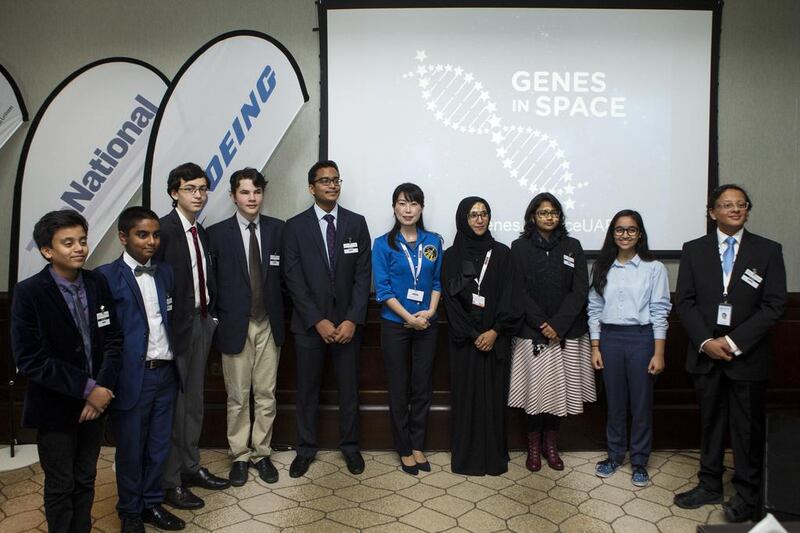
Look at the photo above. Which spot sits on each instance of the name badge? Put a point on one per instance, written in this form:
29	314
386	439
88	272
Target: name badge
750	281
569	261
101	315
415	295
351	248
274	260
169	303
752	274
478	300
724	312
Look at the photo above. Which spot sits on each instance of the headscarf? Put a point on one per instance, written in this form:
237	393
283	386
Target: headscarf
468	244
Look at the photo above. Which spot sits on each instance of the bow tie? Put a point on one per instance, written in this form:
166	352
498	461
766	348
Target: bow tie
139	270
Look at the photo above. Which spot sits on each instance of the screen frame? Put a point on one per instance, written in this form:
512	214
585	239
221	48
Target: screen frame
714	6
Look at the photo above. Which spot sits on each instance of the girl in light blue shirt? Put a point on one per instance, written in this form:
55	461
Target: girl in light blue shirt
628	307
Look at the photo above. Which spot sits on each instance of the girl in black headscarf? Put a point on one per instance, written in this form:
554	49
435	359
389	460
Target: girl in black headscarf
477	299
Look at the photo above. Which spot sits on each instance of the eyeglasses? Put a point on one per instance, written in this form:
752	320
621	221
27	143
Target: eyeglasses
191	191
632	231
329	181
475	215
545	213
729	206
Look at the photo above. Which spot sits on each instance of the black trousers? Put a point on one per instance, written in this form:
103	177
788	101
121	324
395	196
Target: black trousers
69	461
741	406
311	352
408	403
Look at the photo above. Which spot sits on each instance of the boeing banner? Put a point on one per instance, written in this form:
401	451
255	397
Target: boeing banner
12	108
85	151
227	108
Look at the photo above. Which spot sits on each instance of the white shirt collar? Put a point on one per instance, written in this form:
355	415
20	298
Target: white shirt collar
635	260
244	222
184	221
321	212
721	237
131	262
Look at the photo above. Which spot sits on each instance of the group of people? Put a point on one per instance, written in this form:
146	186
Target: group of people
528	328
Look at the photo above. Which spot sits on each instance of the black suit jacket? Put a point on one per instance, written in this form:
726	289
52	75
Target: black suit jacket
233	281
49	351
174	250
316	294
699	293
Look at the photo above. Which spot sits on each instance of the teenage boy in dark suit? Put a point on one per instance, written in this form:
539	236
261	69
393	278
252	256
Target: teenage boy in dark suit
141	413
247	255
184	246
66	341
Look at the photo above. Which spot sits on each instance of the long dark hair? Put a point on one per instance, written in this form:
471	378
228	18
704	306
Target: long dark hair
560	231
609	251
412	193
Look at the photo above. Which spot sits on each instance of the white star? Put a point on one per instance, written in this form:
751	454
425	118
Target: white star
424	83
421	55
523	182
421	70
537	133
565	165
507	163
494	121
533	188
469	77
458	71
446	122
491	107
545	137
567	176
478	86
497	137
560	154
552	144
439	115
439	67
501	152
529	130
520	129
569	189
570	203
426	95
462	129
514	173
431	68
484	96
448	68
431	106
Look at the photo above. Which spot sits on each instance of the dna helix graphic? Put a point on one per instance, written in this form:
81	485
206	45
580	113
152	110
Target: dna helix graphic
457	100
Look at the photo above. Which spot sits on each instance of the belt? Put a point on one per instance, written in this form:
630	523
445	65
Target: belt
156	363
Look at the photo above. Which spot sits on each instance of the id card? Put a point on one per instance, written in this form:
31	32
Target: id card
415	295
569	261
274	260
351	248
478	300
724	312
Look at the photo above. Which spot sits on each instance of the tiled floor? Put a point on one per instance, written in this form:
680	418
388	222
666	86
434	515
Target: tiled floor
384	499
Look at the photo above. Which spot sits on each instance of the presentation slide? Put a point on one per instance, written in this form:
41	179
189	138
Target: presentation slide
608	109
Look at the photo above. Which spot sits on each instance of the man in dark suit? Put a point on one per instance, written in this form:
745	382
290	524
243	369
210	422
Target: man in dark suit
141	414
731	289
66	341
246	250
184	246
327	269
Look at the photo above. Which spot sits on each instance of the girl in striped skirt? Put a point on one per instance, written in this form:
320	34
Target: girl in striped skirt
551	370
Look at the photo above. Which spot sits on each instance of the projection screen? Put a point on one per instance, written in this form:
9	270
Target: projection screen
606	108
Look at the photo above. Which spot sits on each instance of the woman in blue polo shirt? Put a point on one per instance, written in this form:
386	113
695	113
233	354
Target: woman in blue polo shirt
406	266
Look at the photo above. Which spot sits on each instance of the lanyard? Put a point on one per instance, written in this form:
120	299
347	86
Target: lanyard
414	273
483	269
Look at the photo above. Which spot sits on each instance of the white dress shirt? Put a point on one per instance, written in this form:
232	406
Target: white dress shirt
157	340
323	224
243	223
726	278
187	226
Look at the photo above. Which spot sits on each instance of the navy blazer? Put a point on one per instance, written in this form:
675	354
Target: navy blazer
174	250
233	281
132	317
315	293
699	292
49	351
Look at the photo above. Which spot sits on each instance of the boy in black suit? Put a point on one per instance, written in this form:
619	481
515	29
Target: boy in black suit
247	255
67	342
731	289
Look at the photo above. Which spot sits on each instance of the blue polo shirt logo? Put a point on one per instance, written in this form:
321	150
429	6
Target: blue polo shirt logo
430	252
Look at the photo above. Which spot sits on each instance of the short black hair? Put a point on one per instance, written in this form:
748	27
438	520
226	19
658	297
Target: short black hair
185	172
248	173
716	193
312	172
131	216
51	222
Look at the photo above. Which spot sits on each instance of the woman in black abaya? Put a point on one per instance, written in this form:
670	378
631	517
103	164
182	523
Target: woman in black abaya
477	299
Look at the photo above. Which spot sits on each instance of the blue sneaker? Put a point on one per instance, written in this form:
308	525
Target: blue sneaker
606	468
640	477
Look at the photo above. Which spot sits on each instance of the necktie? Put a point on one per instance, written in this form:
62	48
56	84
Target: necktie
727	257
81	322
330	236
139	270
257	310
201	277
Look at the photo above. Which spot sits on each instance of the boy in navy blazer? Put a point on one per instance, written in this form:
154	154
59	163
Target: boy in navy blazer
67	342
246	250
141	414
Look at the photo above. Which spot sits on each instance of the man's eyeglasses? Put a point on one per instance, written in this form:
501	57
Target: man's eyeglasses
191	191
544	213
632	231
329	181
729	206
475	215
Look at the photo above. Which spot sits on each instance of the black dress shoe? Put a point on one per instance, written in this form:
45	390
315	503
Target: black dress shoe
238	474
205	479
355	463
697	497
300	465
737	510
413	470
162	519
425	467
182	498
267	471
132	524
